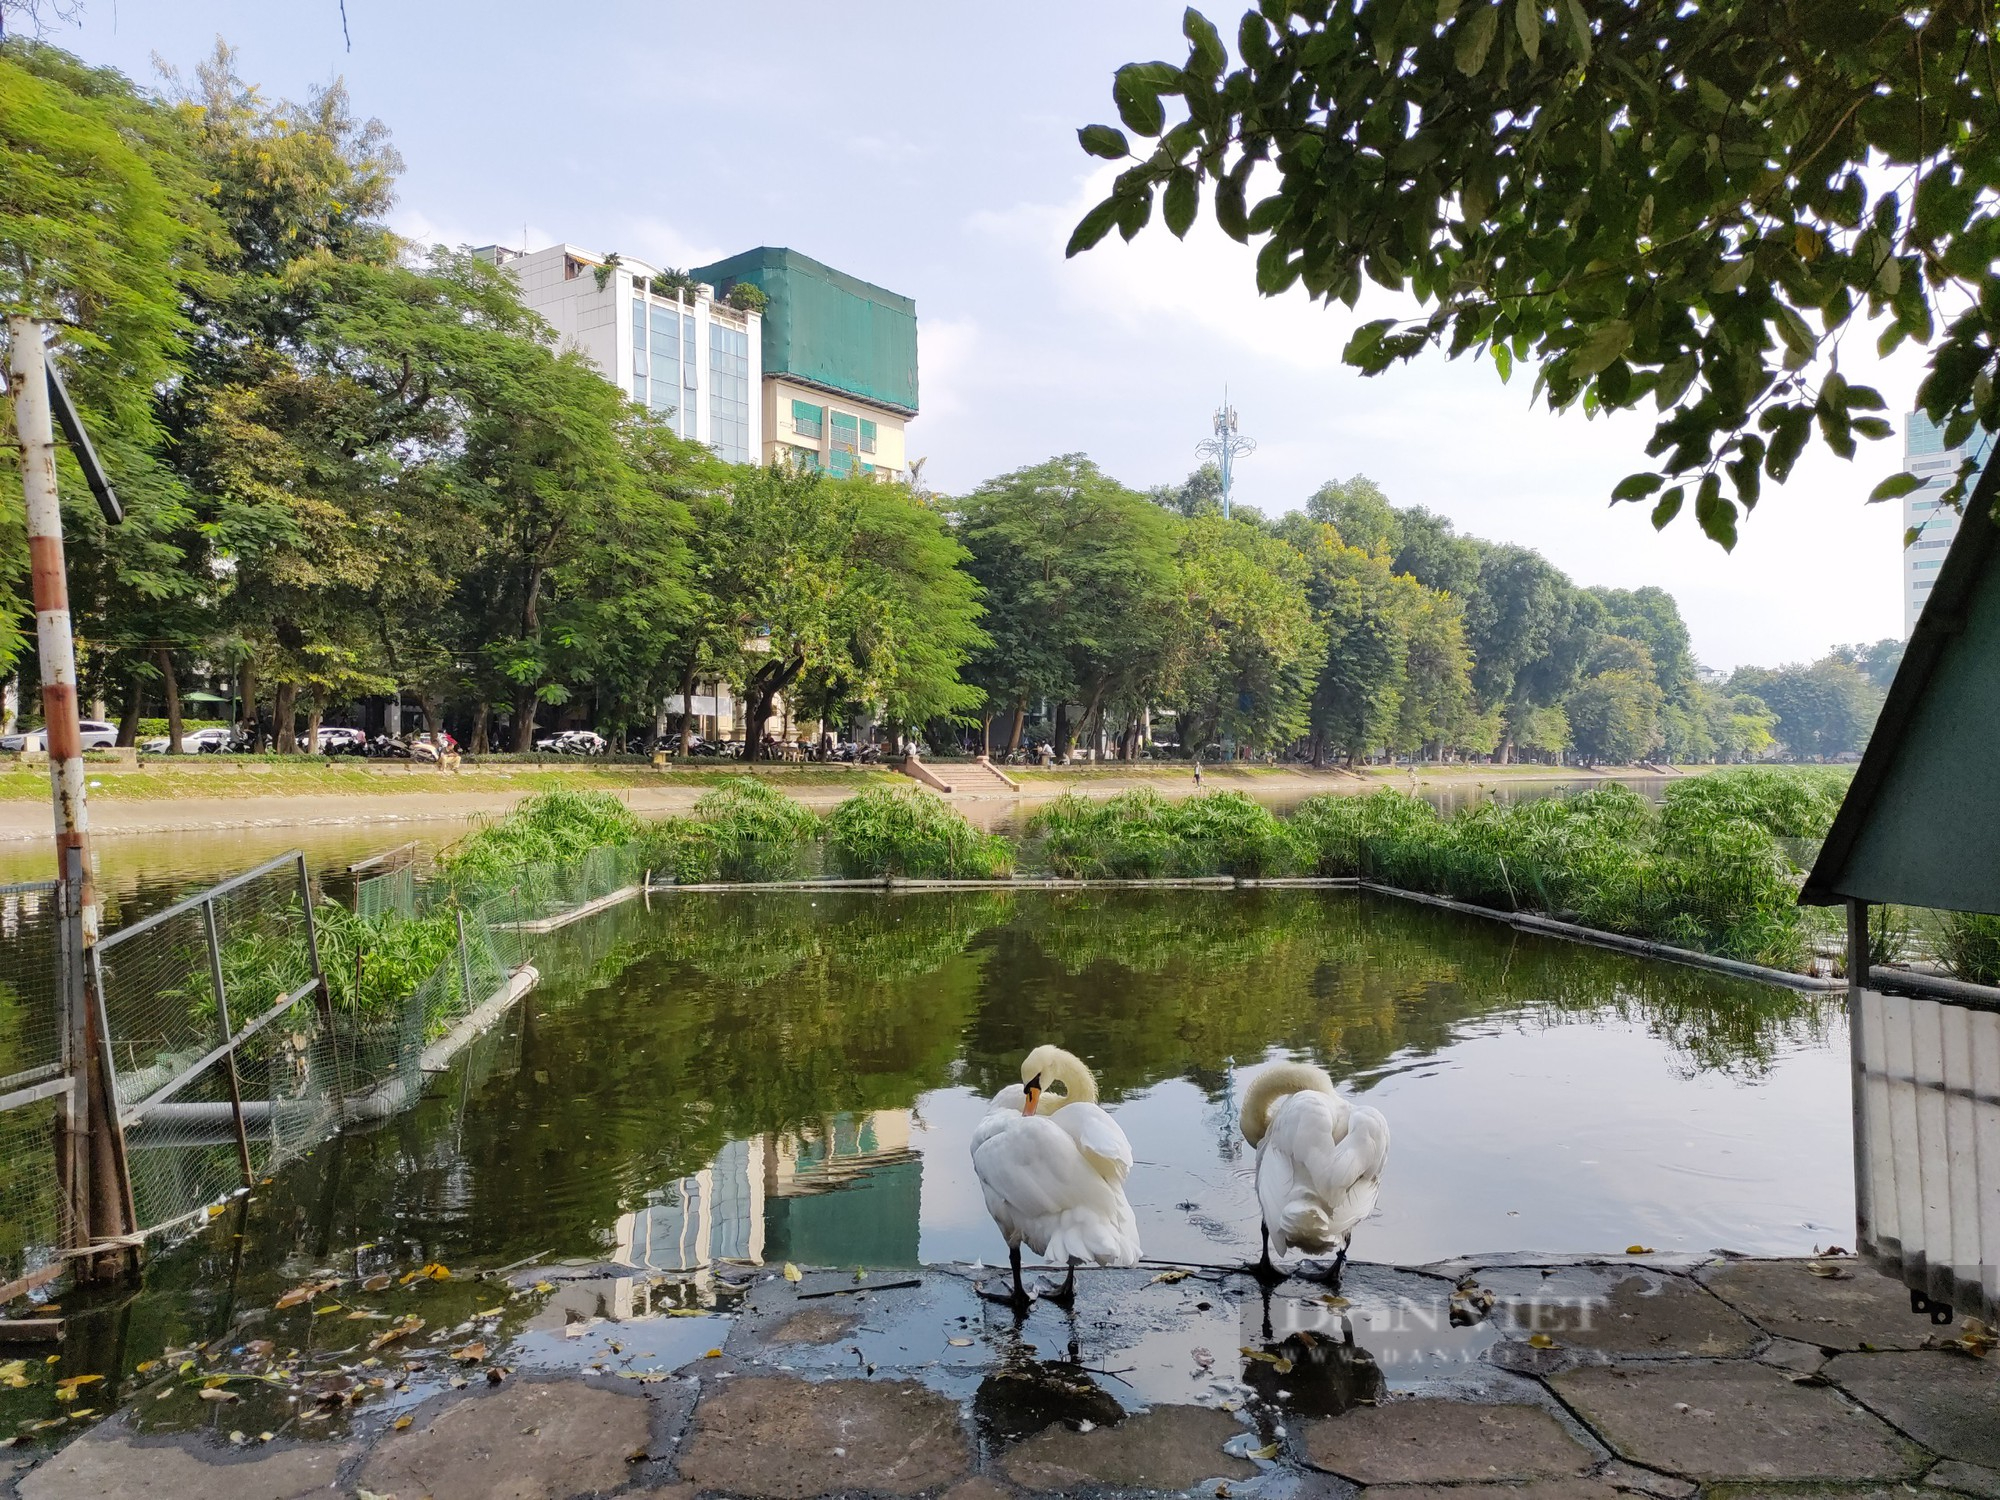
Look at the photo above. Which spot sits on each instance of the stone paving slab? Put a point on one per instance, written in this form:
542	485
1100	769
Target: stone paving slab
1966	1479
530	1440
1630	1311
1169	1448
1855	1309
1433	1441
108	1463
1734	1420
882	1390
794	1439
1949	1402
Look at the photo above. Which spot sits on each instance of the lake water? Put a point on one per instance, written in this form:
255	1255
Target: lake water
794	1077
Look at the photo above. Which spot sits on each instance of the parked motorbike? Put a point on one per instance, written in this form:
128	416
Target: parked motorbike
384	747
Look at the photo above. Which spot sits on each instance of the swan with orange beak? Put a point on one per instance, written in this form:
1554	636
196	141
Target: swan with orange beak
1052	1165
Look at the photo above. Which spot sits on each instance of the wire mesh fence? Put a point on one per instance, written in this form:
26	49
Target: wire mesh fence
248	1022
34	1210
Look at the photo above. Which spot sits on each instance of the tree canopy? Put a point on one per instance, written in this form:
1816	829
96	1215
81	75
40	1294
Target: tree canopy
1684	205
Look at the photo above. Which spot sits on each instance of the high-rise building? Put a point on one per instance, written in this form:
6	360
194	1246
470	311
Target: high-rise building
1925	455
839	363
672	347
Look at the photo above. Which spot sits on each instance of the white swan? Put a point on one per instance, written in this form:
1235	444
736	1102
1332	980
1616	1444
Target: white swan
1319	1161
1052	1167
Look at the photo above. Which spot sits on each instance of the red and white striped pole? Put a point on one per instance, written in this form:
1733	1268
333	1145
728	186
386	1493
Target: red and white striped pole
35	430
91	1156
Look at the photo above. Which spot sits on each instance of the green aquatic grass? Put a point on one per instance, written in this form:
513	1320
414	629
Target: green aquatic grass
912	833
1140	835
743	830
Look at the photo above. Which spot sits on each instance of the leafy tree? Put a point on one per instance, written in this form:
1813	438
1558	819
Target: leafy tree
1650	617
1682	205
1823	710
1360	512
1200	494
1876	662
1615	716
1248	647
102	221
1078	574
1544	732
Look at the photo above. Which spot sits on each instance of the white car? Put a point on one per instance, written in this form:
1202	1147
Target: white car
193	742
331	735
573	742
97	735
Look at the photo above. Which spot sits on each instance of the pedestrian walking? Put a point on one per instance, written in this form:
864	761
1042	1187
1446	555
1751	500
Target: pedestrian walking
1197	770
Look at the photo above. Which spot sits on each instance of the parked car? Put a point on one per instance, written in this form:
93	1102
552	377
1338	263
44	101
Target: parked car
193	742
97	735
572	742
337	739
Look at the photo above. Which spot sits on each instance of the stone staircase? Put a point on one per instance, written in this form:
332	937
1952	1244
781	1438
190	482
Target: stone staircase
979	778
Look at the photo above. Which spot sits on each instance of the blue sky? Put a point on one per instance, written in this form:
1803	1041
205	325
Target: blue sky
930	147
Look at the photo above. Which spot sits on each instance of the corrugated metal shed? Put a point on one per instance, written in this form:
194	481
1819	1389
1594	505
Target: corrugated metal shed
1921	824
827	328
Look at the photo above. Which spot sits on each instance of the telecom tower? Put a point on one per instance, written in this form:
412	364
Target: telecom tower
1225	447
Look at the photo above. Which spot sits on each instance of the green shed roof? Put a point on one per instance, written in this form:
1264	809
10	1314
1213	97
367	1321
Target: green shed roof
828	328
1920	826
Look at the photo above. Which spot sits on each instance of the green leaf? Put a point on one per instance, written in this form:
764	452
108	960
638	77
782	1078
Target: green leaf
1637	486
1182	198
1503	361
1446	10
1793	330
1873	428
1579	29
1605	343
1528	22
1716	515
1208	56
1731	274
1275	271
1894	488
1474	39
1093	227
1669	507
1104	141
1136	92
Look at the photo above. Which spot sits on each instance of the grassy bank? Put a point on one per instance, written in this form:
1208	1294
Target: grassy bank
233	777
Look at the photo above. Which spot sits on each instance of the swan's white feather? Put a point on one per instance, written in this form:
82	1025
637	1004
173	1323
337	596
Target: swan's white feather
1319	1170
1056	1184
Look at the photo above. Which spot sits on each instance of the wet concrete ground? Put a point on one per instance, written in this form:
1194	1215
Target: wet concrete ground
1505	1379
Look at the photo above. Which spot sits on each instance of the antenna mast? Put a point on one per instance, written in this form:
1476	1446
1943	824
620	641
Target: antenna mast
1226	447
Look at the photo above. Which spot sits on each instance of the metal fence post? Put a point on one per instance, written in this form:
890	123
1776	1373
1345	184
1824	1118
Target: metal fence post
228	1040
464	958
324	991
73	1145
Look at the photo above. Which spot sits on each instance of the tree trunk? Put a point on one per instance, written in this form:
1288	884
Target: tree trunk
1020	718
1062	731
315	715
524	721
284	718
477	744
1318	743
986	734
687	710
172	683
247	706
434	720
135	705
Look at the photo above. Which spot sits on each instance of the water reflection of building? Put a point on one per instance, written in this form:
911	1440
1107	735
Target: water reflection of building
847	1193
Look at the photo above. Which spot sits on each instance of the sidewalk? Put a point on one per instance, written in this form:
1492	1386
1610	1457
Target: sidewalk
1507	1379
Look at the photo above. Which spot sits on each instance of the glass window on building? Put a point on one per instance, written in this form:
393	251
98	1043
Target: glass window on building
1923	436
867	436
666	347
808	420
639	350
729	392
841	462
846	432
804	460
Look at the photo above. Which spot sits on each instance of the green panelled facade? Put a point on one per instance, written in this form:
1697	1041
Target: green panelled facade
1921	824
827	328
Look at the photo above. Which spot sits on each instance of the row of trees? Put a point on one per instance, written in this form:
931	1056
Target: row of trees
351	469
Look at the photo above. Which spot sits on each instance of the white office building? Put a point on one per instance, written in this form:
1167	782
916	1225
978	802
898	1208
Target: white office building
1925	455
681	354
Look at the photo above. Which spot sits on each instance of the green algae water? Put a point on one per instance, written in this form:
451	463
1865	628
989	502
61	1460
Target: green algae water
708	1080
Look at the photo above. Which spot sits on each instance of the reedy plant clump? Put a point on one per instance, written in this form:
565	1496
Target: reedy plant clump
912	833
743	831
1141	835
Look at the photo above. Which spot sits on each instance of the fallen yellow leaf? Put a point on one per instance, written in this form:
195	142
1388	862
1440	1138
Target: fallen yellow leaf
1638	1249
1541	1341
307	1292
792	1272
403	1423
1169	1277
713	1354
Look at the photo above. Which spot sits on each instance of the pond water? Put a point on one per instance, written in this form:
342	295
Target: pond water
794	1077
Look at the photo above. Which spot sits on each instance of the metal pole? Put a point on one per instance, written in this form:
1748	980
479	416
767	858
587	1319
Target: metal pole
1857	981
104	1194
325	991
229	1057
464	958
